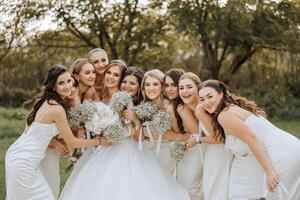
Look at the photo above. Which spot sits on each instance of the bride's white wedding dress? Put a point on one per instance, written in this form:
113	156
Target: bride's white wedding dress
122	172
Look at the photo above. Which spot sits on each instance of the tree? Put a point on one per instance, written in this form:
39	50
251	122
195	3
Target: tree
124	29
229	34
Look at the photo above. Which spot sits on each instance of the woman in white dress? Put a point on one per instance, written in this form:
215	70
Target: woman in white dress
24	180
152	88
122	172
216	160
188	170
247	133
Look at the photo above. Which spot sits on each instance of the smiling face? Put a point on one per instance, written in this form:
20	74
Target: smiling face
153	88
188	91
171	89
112	77
130	84
86	75
100	61
63	85
209	99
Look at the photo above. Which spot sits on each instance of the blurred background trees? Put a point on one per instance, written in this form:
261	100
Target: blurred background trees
253	45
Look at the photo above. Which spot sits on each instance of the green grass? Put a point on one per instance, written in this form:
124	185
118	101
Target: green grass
12	123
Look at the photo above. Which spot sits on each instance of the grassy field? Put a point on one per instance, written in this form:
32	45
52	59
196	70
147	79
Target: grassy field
12	123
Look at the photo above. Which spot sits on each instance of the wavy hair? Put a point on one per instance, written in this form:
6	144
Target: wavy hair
227	100
138	73
175	74
47	92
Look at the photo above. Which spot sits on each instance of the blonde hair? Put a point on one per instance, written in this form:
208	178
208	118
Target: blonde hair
154	73
193	77
94	51
77	66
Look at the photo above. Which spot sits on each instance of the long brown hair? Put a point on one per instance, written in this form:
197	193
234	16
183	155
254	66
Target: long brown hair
227	100
175	75
139	74
47	92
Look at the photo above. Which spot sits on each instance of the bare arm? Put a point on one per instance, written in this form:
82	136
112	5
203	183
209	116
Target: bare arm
59	116
188	119
237	127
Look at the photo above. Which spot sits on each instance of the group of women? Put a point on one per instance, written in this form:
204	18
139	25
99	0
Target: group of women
233	151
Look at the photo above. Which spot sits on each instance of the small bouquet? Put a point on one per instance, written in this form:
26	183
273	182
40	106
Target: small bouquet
82	114
177	150
146	111
115	133
121	101
161	122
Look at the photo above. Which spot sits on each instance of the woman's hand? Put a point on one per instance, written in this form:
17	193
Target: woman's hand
105	142
272	180
60	147
190	142
129	114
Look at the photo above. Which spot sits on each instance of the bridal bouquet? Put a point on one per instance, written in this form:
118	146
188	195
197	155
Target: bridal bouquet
79	116
177	150
121	101
105	122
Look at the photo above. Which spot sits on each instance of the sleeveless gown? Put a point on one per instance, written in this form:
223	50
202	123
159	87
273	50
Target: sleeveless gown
247	179
216	168
24	179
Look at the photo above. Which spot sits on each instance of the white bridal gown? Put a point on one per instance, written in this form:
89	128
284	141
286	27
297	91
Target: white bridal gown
247	179
122	172
24	179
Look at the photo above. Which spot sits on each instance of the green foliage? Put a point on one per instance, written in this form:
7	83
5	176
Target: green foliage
12	121
276	99
231	33
14	97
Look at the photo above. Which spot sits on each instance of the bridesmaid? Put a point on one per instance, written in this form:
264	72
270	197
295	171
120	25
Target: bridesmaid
112	79
216	160
188	170
84	74
24	180
248	134
152	88
98	57
50	166
131	83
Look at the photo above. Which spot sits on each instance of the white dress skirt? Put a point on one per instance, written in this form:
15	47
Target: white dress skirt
24	179
50	169
216	168
122	172
246	174
189	172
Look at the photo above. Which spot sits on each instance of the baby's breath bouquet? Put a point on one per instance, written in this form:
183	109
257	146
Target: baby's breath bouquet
121	101
82	114
160	123
115	133
177	150
103	117
145	111
106	122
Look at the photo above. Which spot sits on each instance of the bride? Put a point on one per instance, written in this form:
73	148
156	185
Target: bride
121	171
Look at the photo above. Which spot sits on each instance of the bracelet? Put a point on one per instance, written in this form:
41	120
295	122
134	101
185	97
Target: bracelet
197	138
